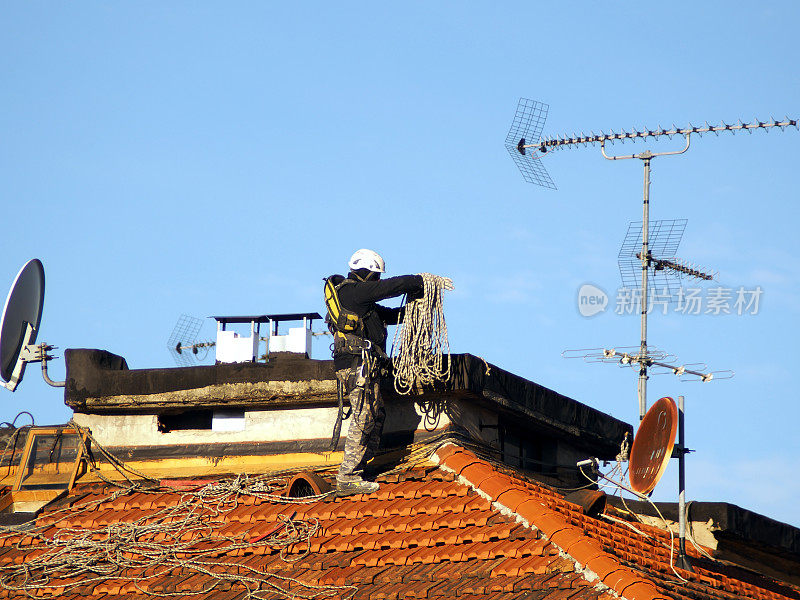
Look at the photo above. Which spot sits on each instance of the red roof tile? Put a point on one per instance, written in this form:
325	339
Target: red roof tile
630	564
423	535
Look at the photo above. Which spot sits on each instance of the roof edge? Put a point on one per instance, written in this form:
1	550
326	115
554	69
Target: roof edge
728	519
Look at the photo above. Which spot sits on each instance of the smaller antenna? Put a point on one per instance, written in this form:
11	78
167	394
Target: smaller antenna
665	268
664	237
183	344
630	356
680	266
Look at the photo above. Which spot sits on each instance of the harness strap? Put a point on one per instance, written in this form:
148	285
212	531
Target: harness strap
337	427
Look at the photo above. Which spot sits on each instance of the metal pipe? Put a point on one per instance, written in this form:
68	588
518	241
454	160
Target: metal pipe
644	361
642	387
646	154
46	376
683	560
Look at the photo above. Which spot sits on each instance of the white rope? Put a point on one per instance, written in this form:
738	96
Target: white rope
185	538
422	339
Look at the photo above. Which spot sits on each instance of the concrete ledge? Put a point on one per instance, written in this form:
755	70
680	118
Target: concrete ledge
99	382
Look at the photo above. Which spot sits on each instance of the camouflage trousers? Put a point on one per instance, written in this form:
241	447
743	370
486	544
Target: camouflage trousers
366	424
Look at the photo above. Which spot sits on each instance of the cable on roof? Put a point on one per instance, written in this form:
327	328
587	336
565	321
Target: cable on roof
19	414
671	546
177	537
690	536
14	438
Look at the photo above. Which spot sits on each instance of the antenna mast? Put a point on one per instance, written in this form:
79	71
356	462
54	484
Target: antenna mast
526	127
646	259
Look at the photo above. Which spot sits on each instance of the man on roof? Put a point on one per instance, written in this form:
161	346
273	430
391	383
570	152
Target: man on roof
358	324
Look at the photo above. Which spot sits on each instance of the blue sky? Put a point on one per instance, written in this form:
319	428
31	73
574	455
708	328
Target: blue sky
201	158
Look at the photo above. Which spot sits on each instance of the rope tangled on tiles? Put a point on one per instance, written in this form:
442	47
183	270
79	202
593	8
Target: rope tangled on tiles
187	538
419	358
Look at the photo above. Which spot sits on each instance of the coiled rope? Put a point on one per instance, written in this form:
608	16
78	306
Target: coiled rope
421	341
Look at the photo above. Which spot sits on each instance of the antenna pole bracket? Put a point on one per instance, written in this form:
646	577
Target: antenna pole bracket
647	154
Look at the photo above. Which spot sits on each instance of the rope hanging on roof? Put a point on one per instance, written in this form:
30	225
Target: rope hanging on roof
187	537
190	537
418	360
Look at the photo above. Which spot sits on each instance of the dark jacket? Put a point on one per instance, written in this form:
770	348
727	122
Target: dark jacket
361	297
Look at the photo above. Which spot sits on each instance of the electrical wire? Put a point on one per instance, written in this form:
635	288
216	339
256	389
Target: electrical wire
690	536
14	438
661	516
19	414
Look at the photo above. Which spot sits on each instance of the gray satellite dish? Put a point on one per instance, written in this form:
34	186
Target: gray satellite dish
19	325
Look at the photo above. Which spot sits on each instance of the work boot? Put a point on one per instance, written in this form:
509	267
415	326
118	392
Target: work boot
359	486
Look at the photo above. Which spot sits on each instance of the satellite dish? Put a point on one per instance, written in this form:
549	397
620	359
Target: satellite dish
653	444
20	321
19	326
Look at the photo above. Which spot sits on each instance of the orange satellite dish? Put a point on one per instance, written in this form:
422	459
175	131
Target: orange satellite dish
652	446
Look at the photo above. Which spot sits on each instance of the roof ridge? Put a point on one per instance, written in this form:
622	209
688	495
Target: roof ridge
594	564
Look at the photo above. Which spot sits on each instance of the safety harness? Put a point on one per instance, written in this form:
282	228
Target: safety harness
348	333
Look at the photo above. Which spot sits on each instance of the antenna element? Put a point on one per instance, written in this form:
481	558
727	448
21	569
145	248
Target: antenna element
527	125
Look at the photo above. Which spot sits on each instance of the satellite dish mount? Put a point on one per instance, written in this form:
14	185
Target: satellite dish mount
653	446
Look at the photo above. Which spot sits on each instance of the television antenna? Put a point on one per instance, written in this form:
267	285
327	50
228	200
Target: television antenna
183	345
664	237
526	146
524	138
19	327
658	360
186	351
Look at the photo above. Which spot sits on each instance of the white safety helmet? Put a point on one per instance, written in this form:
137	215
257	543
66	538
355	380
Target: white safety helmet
367	259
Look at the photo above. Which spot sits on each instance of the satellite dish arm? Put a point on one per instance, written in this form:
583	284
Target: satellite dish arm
31	353
25	356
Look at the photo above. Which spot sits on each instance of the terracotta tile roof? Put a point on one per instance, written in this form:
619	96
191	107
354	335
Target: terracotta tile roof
460	529
632	564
